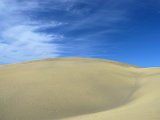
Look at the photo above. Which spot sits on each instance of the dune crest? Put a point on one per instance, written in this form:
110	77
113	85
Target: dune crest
78	89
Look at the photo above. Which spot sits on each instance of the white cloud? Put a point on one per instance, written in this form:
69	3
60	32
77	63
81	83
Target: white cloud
19	39
21	43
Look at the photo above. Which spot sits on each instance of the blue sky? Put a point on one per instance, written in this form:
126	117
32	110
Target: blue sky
123	30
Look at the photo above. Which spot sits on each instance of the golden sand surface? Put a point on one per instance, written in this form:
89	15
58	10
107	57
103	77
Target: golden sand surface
78	89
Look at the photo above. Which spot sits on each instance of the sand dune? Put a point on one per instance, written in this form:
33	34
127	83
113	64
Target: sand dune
78	89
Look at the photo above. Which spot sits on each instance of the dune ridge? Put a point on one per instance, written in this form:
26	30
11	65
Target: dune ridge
78	89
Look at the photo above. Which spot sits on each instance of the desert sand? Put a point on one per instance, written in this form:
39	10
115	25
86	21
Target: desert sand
78	89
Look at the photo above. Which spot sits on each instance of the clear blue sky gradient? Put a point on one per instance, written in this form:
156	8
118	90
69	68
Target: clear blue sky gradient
123	30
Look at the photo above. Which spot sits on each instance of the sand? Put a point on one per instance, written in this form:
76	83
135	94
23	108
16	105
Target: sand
78	89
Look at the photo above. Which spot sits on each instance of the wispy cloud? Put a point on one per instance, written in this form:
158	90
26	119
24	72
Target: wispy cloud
19	36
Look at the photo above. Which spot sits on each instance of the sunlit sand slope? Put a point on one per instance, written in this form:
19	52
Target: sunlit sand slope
78	89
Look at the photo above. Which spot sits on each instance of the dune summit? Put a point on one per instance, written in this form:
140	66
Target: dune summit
78	89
